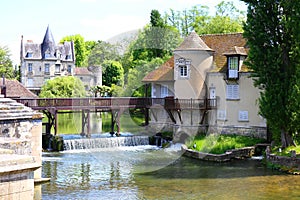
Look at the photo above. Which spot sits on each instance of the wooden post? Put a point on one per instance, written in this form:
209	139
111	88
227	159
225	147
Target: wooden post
146	110
55	122
112	132
88	124
82	123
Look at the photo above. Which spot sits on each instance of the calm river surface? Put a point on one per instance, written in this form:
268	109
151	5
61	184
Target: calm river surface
147	172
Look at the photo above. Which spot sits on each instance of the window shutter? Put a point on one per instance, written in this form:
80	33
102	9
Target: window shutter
243	115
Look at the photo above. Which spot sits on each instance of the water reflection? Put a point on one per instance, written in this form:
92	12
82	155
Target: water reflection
117	174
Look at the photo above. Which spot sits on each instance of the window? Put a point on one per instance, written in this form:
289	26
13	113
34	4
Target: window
30	67
221	115
47	68
233	67
29	55
69	69
47	55
57	68
164	91
232	91
243	115
29	82
68	57
182	68
183	71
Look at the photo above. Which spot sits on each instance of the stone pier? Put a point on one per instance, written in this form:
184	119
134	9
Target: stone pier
20	149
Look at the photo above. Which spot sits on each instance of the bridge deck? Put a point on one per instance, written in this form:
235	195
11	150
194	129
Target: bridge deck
115	103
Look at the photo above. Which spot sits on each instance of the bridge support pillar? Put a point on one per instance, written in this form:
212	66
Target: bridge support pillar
85	123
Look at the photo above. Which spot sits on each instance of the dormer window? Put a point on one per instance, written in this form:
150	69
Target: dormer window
233	67
183	68
235	57
47	55
29	55
68	57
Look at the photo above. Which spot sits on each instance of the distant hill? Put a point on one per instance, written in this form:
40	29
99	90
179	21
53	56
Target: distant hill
124	39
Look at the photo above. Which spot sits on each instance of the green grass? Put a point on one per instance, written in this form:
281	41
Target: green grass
286	151
218	144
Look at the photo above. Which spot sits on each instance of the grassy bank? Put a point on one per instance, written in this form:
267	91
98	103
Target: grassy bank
218	144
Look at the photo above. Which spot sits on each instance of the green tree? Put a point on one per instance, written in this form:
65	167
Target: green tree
101	52
6	66
113	73
63	86
80	48
272	30
156	40
135	75
227	19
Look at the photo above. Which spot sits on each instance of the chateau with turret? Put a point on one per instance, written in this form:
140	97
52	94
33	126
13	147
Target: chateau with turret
41	62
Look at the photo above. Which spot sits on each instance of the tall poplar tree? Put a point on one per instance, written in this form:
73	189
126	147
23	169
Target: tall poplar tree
272	31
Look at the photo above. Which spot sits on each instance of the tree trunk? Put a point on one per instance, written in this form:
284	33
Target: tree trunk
286	139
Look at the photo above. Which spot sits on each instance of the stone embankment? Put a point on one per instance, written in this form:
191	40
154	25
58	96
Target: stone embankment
289	164
246	152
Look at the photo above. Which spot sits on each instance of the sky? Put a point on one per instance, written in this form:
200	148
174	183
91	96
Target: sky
92	19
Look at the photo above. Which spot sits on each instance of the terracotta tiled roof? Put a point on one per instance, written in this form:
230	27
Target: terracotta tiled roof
220	44
163	73
224	44
14	89
82	71
236	51
193	42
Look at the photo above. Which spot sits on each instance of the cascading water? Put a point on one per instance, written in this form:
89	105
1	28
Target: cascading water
105	142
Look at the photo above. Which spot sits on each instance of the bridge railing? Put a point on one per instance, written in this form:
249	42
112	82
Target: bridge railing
104	102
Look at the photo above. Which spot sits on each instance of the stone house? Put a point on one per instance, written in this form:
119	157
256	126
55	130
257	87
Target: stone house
208	67
90	76
41	62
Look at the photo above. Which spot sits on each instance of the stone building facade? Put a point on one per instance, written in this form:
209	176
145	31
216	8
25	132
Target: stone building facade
41	62
20	150
208	67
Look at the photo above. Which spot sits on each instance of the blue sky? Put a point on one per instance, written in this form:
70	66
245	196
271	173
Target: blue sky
93	19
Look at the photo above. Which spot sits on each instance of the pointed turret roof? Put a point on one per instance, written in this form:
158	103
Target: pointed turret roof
193	42
48	44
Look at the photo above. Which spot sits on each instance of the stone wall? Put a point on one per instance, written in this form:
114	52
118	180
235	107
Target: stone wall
255	131
289	164
20	149
246	152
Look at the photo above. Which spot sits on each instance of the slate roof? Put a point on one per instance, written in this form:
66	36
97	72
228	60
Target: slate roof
14	89
38	51
222	45
48	44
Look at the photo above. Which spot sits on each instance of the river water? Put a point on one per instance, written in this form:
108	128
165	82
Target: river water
148	172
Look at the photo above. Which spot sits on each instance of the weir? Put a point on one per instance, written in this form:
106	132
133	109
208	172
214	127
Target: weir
105	142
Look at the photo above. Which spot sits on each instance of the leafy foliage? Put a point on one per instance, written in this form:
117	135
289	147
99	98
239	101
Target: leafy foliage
134	85
272	30
101	52
6	66
80	48
228	19
103	91
63	86
113	73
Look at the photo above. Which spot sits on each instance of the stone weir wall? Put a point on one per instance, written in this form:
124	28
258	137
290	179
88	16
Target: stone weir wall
20	149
